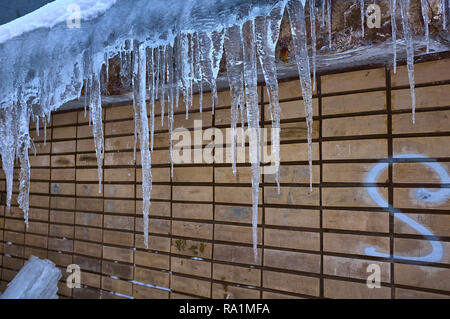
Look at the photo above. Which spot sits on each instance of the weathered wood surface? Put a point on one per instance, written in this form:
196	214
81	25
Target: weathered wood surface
200	221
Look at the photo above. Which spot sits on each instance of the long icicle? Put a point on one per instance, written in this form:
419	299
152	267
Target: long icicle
298	29
312	18
171	81
95	107
140	113
424	7
267	32
251	99
235	72
23	144
7	151
152	97
406	23
393	7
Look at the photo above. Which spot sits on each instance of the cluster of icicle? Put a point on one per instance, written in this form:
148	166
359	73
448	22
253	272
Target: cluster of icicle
172	72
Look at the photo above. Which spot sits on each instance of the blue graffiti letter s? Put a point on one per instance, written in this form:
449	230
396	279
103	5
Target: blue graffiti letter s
421	194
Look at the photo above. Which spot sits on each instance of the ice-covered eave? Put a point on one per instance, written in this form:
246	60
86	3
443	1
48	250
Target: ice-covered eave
52	48
365	56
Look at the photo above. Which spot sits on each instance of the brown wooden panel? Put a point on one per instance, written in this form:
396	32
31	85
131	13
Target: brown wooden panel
354	103
356	80
353	290
423	72
200	244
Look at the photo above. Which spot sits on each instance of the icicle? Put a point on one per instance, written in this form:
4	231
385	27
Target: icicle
107	68
393	8
251	98
162	98
157	74
152	94
424	7
198	72
406	23
235	71
23	144
37	125
298	29
171	96
267	32
140	113
217	52
135	133
211	51
186	70
95	107
361	5
86	86
312	18
45	131
192	69
329	7
7	150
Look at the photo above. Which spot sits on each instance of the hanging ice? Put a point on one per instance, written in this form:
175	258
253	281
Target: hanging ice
393	8
298	29
424	7
267	31
251	99
235	70
141	122
95	107
7	150
406	23
211	51
312	18
152	96
171	82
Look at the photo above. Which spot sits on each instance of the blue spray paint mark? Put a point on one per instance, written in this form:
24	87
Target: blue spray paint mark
422	194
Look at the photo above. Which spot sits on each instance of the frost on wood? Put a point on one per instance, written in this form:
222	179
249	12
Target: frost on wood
172	50
38	279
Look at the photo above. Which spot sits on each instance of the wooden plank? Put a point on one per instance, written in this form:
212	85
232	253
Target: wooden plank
291	283
422	276
356	80
354	126
431	71
354	103
429	96
353	290
354	244
356	220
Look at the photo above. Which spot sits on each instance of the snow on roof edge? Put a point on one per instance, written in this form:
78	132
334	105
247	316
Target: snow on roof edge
52	14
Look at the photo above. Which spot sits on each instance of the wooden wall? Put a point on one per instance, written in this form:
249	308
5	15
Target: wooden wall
310	244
